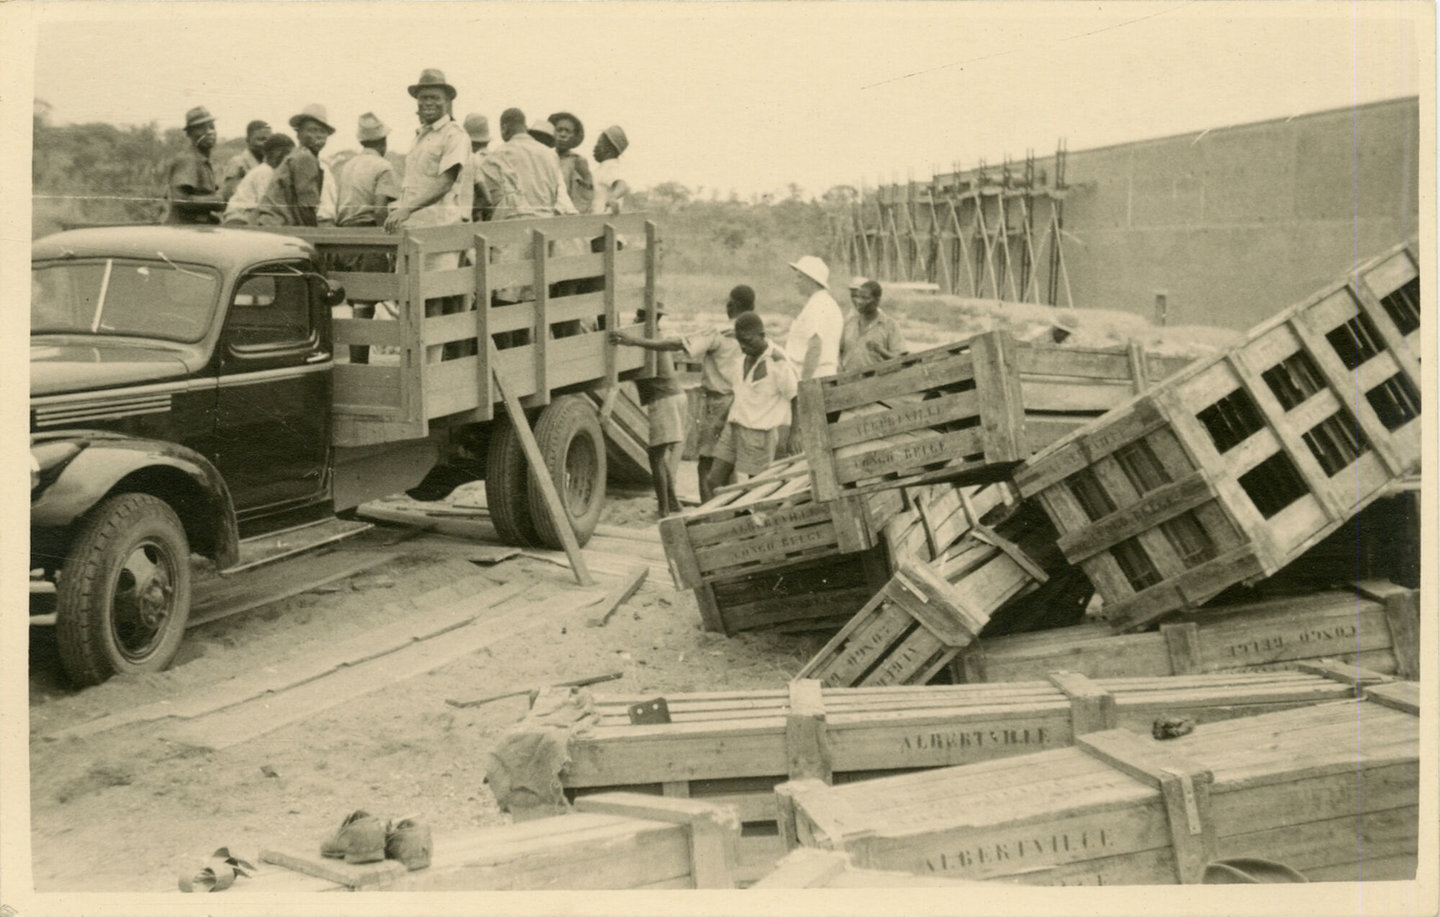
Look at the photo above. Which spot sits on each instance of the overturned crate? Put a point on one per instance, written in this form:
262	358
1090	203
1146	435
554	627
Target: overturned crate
964	412
954	573
765	554
611	841
1230	470
1331	791
734	747
1376	627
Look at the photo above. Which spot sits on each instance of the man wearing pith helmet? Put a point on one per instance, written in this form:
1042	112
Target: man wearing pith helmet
190	186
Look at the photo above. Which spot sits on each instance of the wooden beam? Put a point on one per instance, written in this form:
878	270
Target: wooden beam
542	474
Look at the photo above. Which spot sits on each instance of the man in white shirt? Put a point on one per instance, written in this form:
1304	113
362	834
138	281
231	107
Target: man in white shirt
244	206
611	188
764	381
813	343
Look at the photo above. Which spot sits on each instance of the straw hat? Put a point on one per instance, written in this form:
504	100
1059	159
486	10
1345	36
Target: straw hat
543	131
312	112
431	77
814	268
858	282
371	128
198	116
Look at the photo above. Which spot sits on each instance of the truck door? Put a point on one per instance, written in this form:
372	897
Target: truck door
273	408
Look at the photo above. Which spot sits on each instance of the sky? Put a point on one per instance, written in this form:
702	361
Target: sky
746	96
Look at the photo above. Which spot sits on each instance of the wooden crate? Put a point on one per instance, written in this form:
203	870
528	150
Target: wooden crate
1376	627
1329	790
734	747
1236	466
962	412
952	574
610	841
764	554
810	867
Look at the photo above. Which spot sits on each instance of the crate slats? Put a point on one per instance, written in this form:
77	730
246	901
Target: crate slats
1230	470
1310	787
961	412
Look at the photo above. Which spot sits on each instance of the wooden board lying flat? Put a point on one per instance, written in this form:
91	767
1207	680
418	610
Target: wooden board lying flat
224	596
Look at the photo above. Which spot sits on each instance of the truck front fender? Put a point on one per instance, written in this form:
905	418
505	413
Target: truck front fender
106	464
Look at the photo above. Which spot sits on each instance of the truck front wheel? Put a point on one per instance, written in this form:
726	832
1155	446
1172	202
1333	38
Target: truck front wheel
573	448
123	596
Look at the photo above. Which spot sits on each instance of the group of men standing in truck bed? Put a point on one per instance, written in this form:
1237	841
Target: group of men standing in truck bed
451	175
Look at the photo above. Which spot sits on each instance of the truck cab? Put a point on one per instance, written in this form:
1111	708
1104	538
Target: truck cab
186	395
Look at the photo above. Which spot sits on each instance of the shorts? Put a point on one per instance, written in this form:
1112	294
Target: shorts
667	420
714	414
749	451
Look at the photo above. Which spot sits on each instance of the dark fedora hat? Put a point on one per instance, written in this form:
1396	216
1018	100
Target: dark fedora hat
197	116
431	77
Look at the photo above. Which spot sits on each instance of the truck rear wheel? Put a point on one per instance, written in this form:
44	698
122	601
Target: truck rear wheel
123	596
507	486
573	449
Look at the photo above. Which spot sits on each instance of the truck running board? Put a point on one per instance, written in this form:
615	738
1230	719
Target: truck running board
264	549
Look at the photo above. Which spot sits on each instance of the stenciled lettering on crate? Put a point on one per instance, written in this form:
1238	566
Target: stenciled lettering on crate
1231	469
963	412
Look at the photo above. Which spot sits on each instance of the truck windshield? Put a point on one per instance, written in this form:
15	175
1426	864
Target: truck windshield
114	296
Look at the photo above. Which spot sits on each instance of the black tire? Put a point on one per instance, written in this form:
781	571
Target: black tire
507	486
123	596
573	449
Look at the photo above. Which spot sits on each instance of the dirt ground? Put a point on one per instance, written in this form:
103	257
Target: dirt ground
398	750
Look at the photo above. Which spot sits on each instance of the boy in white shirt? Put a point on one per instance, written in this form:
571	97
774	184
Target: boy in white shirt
764	382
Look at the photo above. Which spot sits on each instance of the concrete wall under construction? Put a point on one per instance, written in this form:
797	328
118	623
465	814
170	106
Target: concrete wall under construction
1220	227
1228	226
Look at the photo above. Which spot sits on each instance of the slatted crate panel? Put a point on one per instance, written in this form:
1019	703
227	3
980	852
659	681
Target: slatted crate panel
611	841
1376	627
963	412
755	550
1231	469
809	867
1329	790
733	748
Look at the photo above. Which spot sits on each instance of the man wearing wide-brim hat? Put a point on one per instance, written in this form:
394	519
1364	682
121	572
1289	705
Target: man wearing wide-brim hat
569	134
367	183
191	191
298	194
436	190
813	342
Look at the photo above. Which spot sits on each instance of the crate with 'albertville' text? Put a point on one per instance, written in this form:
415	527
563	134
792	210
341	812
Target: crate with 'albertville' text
1233	468
1376	626
765	554
734	747
1330	790
964	412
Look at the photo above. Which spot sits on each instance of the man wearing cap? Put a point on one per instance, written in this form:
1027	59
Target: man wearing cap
436	190
611	188
190	186
296	196
256	133
574	168
871	334
477	127
717	350
243	208
367	183
523	176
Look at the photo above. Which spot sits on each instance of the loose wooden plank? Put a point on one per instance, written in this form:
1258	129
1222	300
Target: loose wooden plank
629	585
231	595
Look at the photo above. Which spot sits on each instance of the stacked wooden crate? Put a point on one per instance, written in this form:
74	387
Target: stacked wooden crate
1376	626
1233	468
1330	791
734	747
962	555
766	554
964	412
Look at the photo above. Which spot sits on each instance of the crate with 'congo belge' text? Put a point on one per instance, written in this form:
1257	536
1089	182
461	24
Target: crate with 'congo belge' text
1233	468
765	554
964	412
1330	791
1375	626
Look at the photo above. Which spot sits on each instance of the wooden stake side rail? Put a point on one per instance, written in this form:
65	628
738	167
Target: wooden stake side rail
734	747
962	412
612	841
765	554
1329	790
548	302
1377	628
1233	468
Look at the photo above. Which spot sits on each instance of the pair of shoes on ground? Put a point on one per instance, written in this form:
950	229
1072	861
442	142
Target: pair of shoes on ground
219	873
363	838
